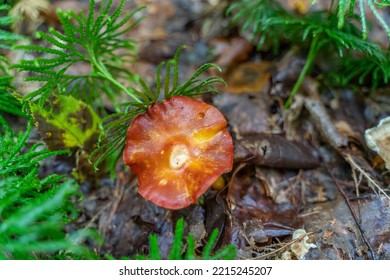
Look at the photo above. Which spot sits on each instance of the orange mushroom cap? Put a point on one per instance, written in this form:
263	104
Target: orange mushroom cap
178	148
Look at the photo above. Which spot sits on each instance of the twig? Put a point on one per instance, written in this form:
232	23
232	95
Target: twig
371	181
120	190
93	219
283	247
118	195
308	214
113	204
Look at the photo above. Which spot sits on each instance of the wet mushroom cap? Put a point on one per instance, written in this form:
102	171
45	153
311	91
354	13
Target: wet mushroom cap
177	149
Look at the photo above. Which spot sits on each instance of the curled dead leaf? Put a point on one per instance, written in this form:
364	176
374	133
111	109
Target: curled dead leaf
275	151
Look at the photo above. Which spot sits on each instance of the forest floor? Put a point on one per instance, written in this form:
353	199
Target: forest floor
304	184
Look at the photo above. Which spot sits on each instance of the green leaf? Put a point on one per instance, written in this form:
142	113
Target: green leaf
67	123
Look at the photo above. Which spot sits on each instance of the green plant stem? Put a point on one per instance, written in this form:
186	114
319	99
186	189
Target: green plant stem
107	75
314	47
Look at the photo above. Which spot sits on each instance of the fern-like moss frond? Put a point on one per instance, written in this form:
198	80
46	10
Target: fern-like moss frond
347	8
180	251
268	19
94	42
364	71
8	103
252	14
34	210
269	24
7	38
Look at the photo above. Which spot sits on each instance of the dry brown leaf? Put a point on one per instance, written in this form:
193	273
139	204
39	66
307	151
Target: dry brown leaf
230	52
248	77
275	151
246	114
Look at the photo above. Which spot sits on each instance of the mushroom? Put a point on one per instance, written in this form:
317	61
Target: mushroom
178	149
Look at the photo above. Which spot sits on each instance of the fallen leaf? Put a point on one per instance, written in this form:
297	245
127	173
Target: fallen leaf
246	114
336	234
248	77
255	218
67	123
216	212
230	52
285	72
275	151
